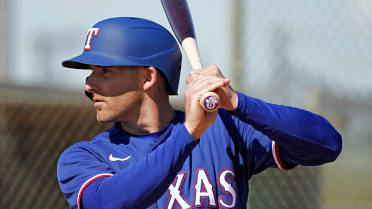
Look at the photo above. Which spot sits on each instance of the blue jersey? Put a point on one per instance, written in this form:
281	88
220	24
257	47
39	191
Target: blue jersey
168	169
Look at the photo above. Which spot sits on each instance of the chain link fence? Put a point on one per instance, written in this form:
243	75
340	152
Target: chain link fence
310	54
35	128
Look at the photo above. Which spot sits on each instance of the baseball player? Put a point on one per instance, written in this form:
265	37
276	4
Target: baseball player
157	157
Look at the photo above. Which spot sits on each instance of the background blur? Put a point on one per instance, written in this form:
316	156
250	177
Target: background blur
310	54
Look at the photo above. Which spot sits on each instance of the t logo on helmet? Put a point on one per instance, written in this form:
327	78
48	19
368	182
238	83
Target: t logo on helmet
91	32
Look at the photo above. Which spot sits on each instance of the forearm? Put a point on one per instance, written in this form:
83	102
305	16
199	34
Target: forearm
303	137
141	185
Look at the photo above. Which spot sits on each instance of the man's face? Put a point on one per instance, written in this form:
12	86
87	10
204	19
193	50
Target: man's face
117	92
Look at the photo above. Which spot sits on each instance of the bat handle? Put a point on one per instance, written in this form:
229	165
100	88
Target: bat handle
210	100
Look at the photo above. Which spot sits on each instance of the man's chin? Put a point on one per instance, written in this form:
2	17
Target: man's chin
106	119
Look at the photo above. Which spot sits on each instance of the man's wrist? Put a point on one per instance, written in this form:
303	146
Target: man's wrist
194	133
235	100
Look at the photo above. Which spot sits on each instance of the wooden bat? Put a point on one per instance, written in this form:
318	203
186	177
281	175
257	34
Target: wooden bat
179	17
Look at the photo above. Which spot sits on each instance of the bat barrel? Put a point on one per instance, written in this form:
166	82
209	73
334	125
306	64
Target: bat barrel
179	17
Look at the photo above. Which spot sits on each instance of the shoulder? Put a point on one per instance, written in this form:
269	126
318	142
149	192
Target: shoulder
85	148
80	158
76	152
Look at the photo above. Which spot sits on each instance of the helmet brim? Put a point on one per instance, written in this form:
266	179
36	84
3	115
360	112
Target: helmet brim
84	60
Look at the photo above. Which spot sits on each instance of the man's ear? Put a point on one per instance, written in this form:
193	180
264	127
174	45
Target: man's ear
150	78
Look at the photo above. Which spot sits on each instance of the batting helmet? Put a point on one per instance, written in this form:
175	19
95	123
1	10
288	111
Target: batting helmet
128	41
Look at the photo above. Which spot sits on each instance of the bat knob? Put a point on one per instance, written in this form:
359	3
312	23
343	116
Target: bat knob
210	101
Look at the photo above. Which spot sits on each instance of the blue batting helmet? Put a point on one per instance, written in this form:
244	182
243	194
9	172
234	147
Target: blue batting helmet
127	41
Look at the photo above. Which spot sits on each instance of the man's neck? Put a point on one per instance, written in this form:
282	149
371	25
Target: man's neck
151	118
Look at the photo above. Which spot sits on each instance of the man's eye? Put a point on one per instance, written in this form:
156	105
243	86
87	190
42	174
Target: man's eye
105	70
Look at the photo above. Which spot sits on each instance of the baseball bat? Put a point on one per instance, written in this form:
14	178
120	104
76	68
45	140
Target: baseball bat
179	17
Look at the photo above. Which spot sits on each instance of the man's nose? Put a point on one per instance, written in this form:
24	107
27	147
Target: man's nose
90	84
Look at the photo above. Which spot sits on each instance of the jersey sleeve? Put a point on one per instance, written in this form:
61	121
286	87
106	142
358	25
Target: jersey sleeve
77	167
257	150
260	151
291	135
89	183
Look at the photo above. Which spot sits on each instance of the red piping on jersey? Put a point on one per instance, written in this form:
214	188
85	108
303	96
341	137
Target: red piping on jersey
87	183
275	151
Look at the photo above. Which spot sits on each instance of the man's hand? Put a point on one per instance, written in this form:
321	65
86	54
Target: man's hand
200	81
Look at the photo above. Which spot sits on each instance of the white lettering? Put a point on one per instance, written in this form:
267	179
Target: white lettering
175	193
227	188
202	180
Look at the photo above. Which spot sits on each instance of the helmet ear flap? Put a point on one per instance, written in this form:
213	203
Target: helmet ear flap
89	95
